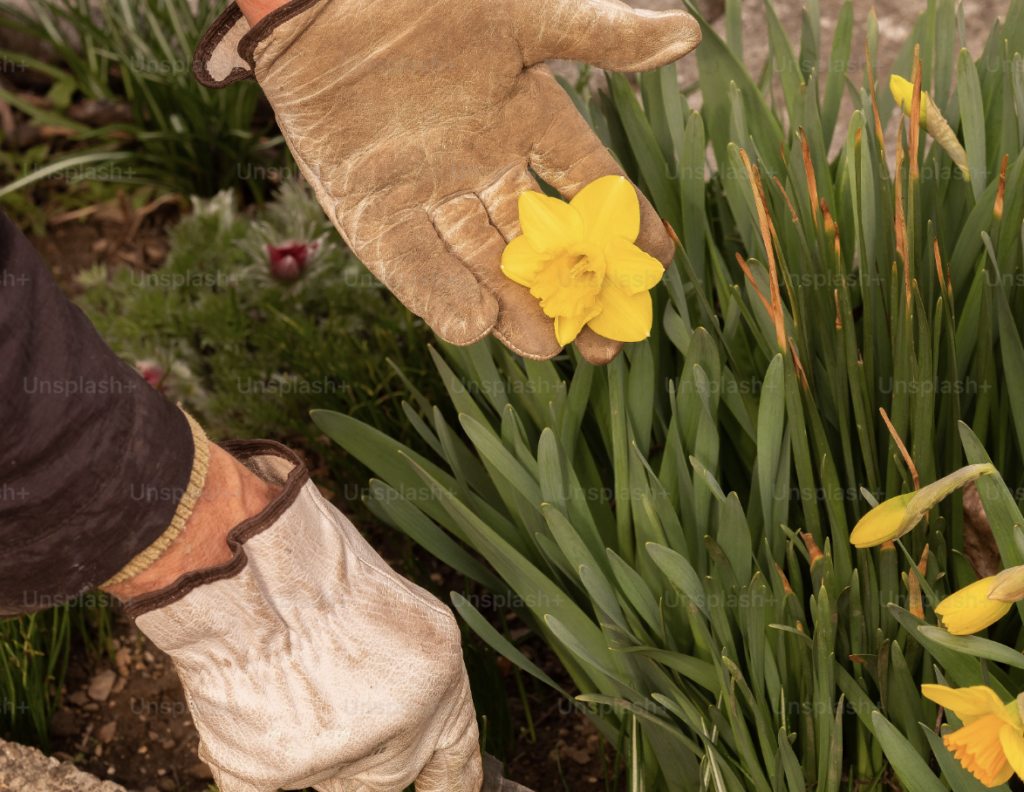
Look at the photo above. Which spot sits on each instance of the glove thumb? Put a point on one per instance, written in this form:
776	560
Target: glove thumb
607	34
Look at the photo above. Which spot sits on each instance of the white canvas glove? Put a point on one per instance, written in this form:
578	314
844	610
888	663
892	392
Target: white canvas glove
307	661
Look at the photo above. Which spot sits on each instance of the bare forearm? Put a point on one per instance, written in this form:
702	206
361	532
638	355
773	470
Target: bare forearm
232	494
255	10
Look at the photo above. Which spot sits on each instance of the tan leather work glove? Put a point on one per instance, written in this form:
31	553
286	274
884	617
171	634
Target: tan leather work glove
307	661
416	121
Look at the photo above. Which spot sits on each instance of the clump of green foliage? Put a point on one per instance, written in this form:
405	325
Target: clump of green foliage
832	334
34	653
182	136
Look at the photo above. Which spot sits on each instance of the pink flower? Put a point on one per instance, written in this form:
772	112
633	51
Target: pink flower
152	373
288	260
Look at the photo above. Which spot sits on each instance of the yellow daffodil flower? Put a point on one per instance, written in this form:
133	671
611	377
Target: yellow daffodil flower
931	120
990	746
579	260
897	516
983	603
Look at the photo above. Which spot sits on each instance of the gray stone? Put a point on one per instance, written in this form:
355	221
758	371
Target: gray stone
24	769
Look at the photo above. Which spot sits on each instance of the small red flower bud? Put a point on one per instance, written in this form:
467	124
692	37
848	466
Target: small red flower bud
153	374
288	260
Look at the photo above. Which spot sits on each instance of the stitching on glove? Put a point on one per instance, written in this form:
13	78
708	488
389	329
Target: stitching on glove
501	337
200	467
241	450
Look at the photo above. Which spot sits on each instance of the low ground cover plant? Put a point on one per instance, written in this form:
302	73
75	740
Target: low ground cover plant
834	336
258	316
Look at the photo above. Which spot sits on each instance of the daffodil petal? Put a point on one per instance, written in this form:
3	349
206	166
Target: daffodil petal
521	262
969	703
1013	746
610	210
568	327
1003	776
550	224
629	268
970	610
882	523
623	317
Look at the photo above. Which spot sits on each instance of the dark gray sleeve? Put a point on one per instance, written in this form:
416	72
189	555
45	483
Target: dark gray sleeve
93	460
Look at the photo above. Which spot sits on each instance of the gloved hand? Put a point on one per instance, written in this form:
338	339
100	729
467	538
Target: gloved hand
307	661
416	121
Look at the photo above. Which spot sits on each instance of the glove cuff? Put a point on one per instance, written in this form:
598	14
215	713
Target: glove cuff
224	54
270	461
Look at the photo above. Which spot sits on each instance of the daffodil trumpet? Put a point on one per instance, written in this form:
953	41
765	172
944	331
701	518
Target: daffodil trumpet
579	260
931	121
982	603
897	516
990	744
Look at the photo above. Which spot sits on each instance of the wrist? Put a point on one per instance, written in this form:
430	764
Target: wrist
230	495
255	10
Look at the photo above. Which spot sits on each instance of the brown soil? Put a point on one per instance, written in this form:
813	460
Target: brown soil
112	233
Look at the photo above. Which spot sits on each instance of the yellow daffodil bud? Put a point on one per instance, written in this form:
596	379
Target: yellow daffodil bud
971	609
931	120
895	517
903	93
882	523
990	745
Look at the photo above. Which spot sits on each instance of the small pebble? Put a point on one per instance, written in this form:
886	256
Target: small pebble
106	732
101	685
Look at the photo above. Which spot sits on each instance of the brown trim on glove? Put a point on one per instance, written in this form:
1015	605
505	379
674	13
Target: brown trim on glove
208	45
242	450
263	28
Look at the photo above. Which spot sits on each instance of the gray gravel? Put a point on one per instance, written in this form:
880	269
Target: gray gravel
25	769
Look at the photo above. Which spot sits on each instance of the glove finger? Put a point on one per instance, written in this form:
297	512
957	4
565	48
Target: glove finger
604	33
595	348
501	199
569	156
412	261
464	225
